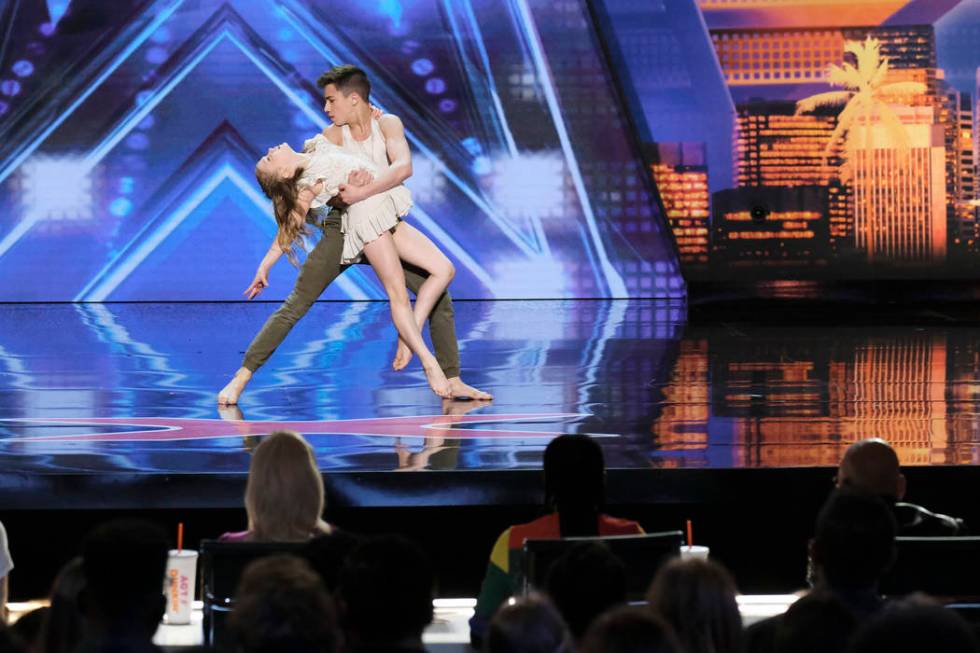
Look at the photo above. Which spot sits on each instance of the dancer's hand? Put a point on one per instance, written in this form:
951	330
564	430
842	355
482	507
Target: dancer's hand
259	283
350	194
359	178
376	113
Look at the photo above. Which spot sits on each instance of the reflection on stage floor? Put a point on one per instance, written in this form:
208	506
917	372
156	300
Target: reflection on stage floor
123	390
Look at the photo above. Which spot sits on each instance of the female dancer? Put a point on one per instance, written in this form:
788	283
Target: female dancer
371	227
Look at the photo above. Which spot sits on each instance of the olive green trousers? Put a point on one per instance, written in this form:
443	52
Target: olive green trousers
321	267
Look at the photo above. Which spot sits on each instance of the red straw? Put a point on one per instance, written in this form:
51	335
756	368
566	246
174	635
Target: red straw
180	535
690	536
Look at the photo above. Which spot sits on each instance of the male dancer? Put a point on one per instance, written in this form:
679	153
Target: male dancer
346	91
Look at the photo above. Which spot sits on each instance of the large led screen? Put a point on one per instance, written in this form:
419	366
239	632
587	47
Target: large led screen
807	139
129	131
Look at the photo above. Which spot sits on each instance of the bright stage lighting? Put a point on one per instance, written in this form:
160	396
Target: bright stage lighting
57	188
530	185
427	183
518	279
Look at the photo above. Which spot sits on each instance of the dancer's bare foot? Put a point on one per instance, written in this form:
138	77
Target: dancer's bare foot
403	356
230	412
455	408
462	391
230	393
437	380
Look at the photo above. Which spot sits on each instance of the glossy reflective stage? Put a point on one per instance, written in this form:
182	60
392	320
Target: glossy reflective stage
116	402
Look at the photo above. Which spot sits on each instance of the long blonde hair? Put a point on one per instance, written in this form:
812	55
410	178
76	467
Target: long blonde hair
284	193
284	493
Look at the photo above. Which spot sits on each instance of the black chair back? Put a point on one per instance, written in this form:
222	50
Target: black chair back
945	567
642	554
221	567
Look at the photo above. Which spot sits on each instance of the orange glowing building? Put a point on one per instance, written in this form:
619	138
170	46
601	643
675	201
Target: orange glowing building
964	232
767	56
900	193
761	57
681	176
776	147
800	13
759	226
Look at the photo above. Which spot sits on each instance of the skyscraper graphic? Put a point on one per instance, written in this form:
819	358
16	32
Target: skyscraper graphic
756	57
964	235
887	212
776	147
681	175
900	192
771	226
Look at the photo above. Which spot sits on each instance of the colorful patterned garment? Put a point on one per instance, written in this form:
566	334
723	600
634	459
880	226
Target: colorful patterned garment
500	581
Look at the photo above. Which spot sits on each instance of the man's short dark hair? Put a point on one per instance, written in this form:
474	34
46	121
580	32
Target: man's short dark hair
386	588
348	79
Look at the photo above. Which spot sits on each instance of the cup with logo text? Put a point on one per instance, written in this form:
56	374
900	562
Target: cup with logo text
178	586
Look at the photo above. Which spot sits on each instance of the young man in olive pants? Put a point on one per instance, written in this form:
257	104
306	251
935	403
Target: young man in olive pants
319	270
322	266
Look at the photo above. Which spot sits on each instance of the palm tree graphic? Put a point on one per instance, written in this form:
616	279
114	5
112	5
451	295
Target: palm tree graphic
867	101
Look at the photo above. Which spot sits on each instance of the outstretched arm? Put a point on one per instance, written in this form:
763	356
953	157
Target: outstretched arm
398	171
261	280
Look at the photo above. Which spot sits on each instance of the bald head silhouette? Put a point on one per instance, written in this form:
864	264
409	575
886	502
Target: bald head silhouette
872	466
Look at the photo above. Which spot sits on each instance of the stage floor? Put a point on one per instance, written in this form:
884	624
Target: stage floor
113	405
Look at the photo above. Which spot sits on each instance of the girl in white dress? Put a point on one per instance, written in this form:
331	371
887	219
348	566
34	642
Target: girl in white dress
367	225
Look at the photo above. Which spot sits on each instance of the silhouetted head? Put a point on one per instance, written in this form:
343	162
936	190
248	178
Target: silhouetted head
530	625
62	629
697	598
629	629
817	623
584	582
871	466
913	627
124	563
575	483
28	628
386	593
282	607
327	554
854	544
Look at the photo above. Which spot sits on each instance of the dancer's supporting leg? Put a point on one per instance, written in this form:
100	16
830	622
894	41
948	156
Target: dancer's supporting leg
442	329
416	249
383	257
319	270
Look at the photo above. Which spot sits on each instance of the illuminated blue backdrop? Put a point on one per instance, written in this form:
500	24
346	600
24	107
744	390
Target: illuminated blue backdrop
129	130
